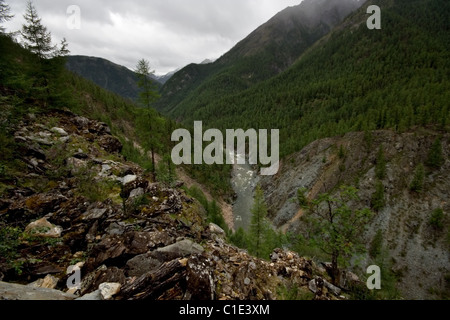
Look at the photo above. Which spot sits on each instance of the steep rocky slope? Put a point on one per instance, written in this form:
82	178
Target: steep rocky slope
74	202
420	254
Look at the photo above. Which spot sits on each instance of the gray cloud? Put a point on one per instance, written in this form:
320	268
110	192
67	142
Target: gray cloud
169	33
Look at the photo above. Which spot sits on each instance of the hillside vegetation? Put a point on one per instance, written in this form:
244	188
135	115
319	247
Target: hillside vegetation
353	79
266	52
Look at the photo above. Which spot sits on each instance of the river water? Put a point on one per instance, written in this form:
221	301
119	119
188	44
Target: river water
244	180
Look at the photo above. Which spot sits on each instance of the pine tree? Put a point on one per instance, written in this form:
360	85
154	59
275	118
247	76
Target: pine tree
148	94
418	180
37	39
258	227
302	197
336	228
380	168
435	157
64	49
5	13
378	200
147	97
239	239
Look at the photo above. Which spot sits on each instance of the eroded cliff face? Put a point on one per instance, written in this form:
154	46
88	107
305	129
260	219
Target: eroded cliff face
70	201
420	252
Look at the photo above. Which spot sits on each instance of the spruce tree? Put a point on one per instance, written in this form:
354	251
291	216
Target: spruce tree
147	97
258	227
5	13
380	168
148	94
418	180
435	157
37	39
336	228
378	199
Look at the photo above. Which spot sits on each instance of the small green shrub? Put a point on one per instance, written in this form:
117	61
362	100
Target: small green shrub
376	244
418	180
435	156
9	241
380	168
342	152
302	198
437	220
291	292
378	199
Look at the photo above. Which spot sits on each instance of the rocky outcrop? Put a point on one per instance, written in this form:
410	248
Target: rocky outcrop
10	291
420	254
93	226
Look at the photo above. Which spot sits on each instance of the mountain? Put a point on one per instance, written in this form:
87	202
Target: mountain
361	90
352	79
266	52
108	75
97	212
164	78
207	61
367	109
73	197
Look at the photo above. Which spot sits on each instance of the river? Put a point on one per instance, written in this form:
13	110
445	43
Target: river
244	180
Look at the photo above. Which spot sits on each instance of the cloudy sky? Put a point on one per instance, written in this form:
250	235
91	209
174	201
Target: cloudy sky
168	33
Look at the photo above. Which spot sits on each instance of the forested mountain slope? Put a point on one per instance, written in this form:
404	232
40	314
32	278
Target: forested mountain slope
108	75
266	52
353	79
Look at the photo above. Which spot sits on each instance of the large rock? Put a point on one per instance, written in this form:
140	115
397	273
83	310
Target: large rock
183	248
142	264
32	150
102	275
43	203
43	228
200	283
128	179
333	289
99	128
172	204
110	144
94	213
10	291
109	290
215	229
49	282
93	296
117	248
137	193
59	131
81	122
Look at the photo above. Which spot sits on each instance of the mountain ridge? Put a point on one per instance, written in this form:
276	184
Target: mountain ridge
109	75
264	53
353	79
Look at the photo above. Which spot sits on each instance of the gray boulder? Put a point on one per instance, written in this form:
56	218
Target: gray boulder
11	291
142	264
183	248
